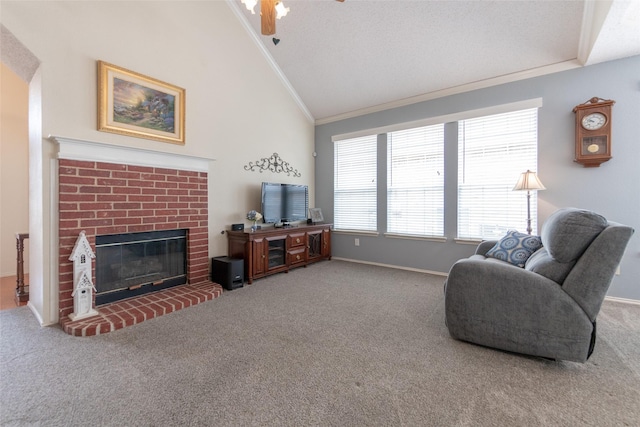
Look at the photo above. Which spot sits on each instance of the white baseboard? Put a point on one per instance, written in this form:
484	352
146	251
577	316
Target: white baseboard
397	267
623	300
35	313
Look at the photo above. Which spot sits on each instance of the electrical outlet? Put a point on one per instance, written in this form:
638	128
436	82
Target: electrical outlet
357	242
618	270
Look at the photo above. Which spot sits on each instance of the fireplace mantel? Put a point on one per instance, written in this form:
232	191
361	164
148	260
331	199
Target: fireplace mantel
76	149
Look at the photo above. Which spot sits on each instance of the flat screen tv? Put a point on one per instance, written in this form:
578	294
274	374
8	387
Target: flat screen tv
284	202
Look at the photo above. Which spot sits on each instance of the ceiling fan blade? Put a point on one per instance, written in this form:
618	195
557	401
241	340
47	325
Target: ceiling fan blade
268	20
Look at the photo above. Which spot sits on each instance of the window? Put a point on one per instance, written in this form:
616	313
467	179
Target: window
355	184
415	181
492	153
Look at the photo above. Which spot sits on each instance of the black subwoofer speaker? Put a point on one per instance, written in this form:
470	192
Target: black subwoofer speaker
228	272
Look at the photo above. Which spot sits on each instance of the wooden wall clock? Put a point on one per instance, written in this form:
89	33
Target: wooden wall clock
593	132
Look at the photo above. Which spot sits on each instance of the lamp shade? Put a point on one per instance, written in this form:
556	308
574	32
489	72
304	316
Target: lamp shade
528	181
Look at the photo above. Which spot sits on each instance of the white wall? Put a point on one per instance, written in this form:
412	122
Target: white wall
237	109
14	168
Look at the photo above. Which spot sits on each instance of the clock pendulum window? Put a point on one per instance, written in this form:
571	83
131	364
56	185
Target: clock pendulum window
593	132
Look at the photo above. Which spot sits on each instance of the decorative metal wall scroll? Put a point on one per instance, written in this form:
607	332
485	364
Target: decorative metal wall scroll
273	164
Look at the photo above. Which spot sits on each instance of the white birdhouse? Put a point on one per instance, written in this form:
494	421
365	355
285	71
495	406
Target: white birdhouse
83	288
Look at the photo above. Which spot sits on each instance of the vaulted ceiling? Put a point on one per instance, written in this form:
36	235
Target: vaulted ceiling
343	59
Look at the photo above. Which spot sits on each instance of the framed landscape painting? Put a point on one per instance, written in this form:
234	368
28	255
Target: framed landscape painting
133	104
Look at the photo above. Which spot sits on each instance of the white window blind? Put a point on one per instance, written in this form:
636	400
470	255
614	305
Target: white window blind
415	181
492	153
355	184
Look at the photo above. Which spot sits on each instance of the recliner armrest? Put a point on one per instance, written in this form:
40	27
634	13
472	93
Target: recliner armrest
498	276
484	247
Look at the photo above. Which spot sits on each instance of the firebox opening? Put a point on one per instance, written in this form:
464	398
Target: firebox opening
132	264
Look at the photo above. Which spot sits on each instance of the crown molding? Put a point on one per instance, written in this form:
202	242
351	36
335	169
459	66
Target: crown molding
593	17
482	84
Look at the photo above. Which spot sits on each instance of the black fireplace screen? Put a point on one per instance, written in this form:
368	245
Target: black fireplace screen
128	262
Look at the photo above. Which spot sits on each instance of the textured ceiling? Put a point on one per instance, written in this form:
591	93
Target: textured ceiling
17	57
347	58
619	35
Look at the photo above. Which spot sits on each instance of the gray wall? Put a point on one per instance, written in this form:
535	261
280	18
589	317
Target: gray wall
612	190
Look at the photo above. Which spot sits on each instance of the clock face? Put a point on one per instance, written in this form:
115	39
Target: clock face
594	121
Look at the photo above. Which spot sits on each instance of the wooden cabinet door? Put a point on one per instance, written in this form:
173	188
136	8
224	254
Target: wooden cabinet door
326	243
258	258
276	253
314	239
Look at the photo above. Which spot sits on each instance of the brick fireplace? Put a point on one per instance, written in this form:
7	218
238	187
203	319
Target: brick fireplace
104	198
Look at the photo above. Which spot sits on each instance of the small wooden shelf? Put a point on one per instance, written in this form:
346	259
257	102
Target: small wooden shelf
275	250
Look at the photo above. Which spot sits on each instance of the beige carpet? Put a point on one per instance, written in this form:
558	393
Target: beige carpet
334	344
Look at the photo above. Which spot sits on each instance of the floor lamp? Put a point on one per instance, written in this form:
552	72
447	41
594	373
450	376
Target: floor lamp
528	181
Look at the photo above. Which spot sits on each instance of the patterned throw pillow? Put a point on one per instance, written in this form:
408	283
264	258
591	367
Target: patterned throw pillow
515	248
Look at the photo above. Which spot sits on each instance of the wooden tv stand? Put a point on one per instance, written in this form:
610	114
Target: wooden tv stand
274	250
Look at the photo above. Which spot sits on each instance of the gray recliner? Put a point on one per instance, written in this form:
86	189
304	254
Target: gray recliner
549	307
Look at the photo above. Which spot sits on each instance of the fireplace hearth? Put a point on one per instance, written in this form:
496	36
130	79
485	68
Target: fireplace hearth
133	264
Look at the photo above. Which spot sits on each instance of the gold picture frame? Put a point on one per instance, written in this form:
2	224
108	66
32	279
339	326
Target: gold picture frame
133	104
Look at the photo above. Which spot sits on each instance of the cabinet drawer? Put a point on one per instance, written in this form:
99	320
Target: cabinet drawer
297	240
297	256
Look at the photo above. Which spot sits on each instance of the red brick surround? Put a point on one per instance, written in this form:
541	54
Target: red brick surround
108	198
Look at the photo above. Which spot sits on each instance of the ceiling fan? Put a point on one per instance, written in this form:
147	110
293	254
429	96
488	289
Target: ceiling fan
269	11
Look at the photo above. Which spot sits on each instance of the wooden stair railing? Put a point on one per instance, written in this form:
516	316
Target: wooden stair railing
21	295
